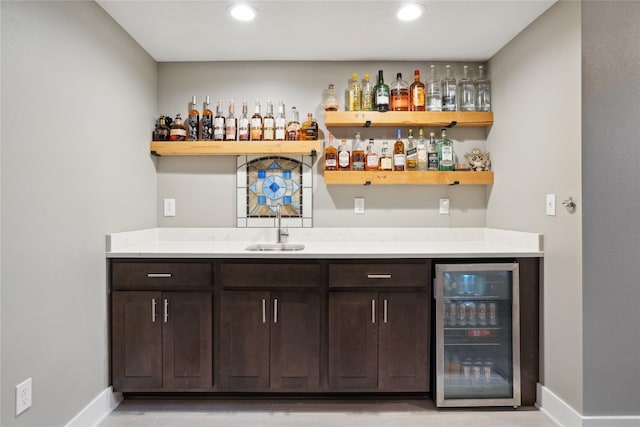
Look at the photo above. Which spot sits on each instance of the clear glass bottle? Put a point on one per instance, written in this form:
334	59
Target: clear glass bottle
231	123
449	91
434	94
309	129
256	124
386	161
467	91
417	92
367	93
344	156
399	94
207	121
244	124
381	94
371	157
445	152
355	94
178	132
358	156
193	125
432	153
293	126
281	123
399	157
331	156
483	91
218	123
412	152
421	147
331	103
269	124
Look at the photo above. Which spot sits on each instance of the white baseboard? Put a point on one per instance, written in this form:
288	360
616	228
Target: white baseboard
97	410
564	415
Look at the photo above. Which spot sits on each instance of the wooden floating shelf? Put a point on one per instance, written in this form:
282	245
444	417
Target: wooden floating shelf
234	148
408	178
407	118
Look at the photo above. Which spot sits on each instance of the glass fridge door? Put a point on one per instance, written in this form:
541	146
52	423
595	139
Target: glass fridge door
477	335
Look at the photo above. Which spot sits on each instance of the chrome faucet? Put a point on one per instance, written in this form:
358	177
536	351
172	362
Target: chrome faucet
281	233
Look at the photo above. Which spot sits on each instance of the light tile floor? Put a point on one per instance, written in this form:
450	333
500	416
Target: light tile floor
314	413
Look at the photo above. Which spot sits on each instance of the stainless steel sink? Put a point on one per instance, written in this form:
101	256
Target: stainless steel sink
274	247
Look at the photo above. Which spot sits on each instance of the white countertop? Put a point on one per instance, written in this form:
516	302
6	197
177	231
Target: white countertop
326	243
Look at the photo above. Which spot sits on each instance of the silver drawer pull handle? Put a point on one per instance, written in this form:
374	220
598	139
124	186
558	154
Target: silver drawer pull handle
264	310
153	310
275	310
166	310
373	311
384	313
379	276
159	275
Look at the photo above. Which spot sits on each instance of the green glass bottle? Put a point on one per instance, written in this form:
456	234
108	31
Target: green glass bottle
381	94
445	153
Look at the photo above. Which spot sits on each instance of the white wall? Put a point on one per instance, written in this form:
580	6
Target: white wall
535	144
78	100
204	188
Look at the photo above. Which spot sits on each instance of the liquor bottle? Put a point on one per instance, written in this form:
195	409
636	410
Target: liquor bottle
207	121
256	124
367	93
355	94
399	94
432	153
449	89
231	123
309	129
422	151
386	161
161	132
483	91
331	103
466	91
399	158
381	94
417	93
178	132
281	123
358	156
331	156
434	96
344	156
218	123
243	124
193	128
269	124
445	152
293	126
412	152
371	162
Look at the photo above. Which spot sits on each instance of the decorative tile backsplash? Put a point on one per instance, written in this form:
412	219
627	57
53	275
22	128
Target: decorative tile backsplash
263	182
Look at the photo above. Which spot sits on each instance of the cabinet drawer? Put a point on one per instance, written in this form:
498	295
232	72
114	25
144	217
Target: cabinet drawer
159	274
374	274
270	274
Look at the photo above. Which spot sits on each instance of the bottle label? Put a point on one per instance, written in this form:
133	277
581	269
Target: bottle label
218	128
422	153
417	99
194	122
382	97
433	161
386	163
412	153
256	129
269	129
330	164
243	130
398	160
178	132
447	156
230	133
372	161
207	130
293	131
343	159
280	129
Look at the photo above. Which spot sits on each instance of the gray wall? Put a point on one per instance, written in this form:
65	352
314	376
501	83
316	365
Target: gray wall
204	188
611	189
78	98
535	143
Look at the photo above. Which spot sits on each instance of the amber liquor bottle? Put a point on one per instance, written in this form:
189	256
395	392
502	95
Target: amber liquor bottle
371	158
269	124
243	124
231	123
193	125
386	161
417	92
330	156
256	124
309	129
399	94
399	158
218	123
293	126
207	121
178	132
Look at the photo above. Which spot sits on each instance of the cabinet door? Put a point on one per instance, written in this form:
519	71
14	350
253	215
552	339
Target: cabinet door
244	341
295	341
186	341
136	341
404	341
353	341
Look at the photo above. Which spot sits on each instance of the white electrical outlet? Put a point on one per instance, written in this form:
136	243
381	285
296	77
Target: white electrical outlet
169	207
358	205
444	206
23	396
551	205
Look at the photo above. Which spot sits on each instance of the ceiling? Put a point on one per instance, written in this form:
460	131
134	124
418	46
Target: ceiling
327	30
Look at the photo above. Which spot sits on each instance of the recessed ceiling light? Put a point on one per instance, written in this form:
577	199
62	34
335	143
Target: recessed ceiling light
410	11
242	12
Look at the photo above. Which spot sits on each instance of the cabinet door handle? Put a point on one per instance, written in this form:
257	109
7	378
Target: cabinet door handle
264	310
384	312
159	275
153	310
373	311
378	276
166	310
275	310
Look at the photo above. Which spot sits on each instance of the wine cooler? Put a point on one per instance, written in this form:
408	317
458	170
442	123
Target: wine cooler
477	335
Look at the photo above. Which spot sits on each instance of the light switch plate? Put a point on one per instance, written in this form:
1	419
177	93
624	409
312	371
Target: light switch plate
358	205
444	206
169	207
551	205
